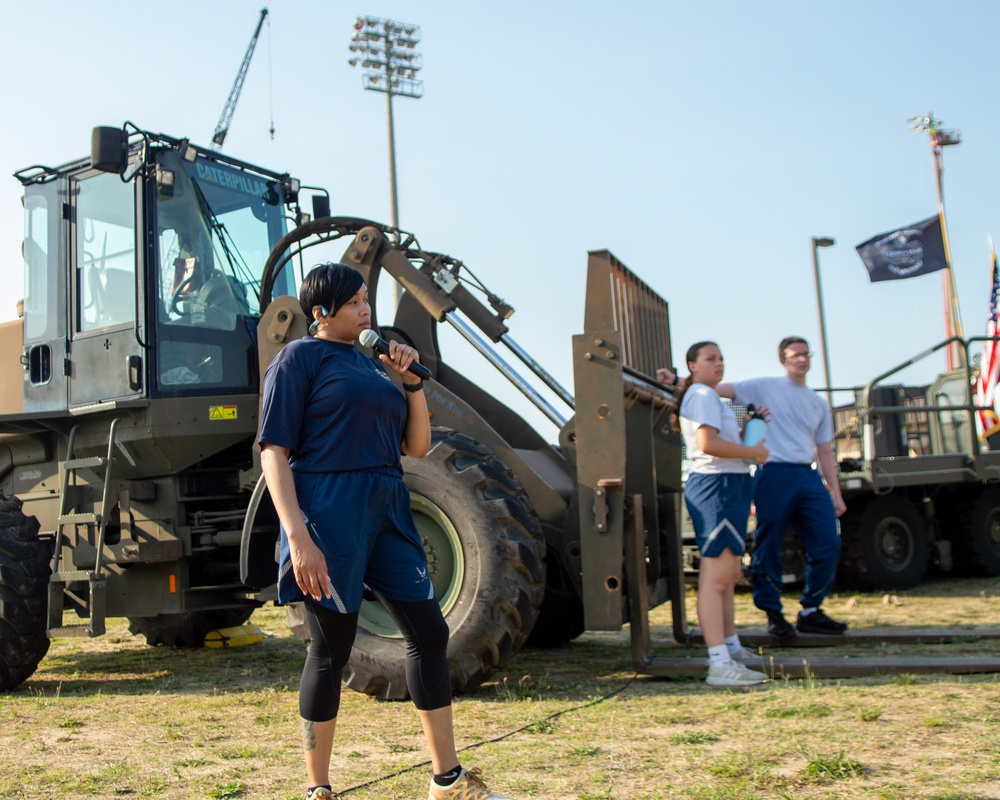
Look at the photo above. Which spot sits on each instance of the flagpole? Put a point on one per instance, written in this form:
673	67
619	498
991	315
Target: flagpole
952	315
938	140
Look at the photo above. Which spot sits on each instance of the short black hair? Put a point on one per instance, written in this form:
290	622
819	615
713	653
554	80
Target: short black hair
786	342
329	285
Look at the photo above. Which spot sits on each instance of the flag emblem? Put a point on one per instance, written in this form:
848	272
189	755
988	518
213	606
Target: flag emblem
905	253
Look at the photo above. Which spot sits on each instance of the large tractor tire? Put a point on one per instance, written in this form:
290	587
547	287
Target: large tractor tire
561	617
486	556
188	628
885	545
24	581
973	526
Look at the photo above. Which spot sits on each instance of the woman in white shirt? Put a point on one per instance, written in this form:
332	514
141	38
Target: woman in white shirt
718	494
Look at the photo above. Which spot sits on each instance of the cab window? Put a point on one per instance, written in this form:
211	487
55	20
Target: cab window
105	252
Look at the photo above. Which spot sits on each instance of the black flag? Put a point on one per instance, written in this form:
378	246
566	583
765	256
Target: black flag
914	250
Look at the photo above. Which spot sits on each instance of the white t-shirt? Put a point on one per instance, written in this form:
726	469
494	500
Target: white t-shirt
800	419
703	406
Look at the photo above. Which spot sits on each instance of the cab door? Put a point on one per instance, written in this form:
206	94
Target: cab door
45	316
106	359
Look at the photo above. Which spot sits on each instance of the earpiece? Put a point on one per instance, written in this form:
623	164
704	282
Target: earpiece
315	323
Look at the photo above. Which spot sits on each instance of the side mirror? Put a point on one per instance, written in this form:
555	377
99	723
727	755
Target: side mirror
107	149
321	206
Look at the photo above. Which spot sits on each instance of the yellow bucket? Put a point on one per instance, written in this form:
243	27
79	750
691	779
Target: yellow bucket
240	636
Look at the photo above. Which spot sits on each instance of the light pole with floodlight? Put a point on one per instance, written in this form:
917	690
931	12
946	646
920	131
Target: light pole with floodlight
817	243
384	49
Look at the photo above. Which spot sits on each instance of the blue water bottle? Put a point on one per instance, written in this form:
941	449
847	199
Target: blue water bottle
755	429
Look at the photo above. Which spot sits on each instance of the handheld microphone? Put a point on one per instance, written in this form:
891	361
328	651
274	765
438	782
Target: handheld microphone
371	339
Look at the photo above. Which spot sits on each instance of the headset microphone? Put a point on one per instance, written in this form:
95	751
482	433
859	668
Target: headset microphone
371	339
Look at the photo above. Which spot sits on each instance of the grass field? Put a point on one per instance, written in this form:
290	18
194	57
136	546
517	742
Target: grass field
113	718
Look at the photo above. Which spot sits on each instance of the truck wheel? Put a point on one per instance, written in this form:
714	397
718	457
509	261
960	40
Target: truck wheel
486	555
24	582
188	628
977	544
885	545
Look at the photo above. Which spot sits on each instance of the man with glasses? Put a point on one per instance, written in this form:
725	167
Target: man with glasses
788	490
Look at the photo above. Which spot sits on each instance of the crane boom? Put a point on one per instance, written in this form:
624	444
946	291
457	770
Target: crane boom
222	128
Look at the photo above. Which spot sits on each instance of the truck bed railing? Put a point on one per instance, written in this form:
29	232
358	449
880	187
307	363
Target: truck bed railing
939	421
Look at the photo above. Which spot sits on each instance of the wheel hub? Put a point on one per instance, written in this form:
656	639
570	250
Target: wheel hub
993	532
895	545
445	564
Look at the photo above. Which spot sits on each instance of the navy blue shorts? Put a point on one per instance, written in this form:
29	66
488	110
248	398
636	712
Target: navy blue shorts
719	505
363	524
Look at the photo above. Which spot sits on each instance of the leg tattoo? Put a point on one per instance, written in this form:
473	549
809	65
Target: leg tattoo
308	735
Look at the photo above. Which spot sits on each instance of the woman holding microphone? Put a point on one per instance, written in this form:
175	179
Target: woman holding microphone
333	429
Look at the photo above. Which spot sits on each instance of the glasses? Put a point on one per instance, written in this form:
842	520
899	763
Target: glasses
793	354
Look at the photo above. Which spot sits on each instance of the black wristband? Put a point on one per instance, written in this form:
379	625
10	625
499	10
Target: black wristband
413	387
677	379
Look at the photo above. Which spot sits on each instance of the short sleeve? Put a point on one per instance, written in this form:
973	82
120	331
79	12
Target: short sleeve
286	385
747	392
824	433
702	406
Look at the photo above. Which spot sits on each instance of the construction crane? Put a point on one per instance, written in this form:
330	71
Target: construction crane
222	128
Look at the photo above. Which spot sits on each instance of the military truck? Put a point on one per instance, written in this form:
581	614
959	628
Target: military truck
159	283
922	489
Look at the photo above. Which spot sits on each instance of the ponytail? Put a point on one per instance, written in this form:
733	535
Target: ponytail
691	355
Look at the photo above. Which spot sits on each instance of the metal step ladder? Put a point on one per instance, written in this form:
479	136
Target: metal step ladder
62	582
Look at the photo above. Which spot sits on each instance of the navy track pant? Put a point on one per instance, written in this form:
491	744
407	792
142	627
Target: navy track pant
793	494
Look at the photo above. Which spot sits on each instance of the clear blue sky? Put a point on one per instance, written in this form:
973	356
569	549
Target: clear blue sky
702	143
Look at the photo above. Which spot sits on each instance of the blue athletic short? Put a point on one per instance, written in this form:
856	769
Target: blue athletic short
719	505
362	522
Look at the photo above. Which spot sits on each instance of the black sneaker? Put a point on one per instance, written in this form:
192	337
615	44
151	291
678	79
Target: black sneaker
818	622
779	627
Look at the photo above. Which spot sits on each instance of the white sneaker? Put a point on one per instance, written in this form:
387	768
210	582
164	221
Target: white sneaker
747	657
733	673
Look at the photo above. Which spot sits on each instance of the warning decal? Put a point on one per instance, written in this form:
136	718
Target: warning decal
222	412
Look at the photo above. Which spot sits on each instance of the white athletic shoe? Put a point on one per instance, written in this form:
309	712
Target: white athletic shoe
747	657
733	673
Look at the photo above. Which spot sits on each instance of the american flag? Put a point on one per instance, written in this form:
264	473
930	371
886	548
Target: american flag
987	420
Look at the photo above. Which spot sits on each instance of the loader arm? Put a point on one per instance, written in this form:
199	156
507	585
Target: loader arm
455	400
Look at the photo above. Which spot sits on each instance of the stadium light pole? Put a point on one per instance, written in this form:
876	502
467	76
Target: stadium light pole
384	49
817	243
939	139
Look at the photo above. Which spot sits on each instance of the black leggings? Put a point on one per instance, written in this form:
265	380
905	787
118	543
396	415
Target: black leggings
332	636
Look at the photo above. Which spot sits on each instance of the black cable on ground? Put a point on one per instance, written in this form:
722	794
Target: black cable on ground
495	739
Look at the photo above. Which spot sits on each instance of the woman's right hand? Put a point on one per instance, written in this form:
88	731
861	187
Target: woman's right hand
758	452
309	567
308	563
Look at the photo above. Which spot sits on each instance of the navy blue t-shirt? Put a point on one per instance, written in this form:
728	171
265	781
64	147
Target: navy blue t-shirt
333	407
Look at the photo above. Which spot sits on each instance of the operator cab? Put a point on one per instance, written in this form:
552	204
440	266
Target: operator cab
215	226
142	272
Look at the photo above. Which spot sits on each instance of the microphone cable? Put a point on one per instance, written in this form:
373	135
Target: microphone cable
495	739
